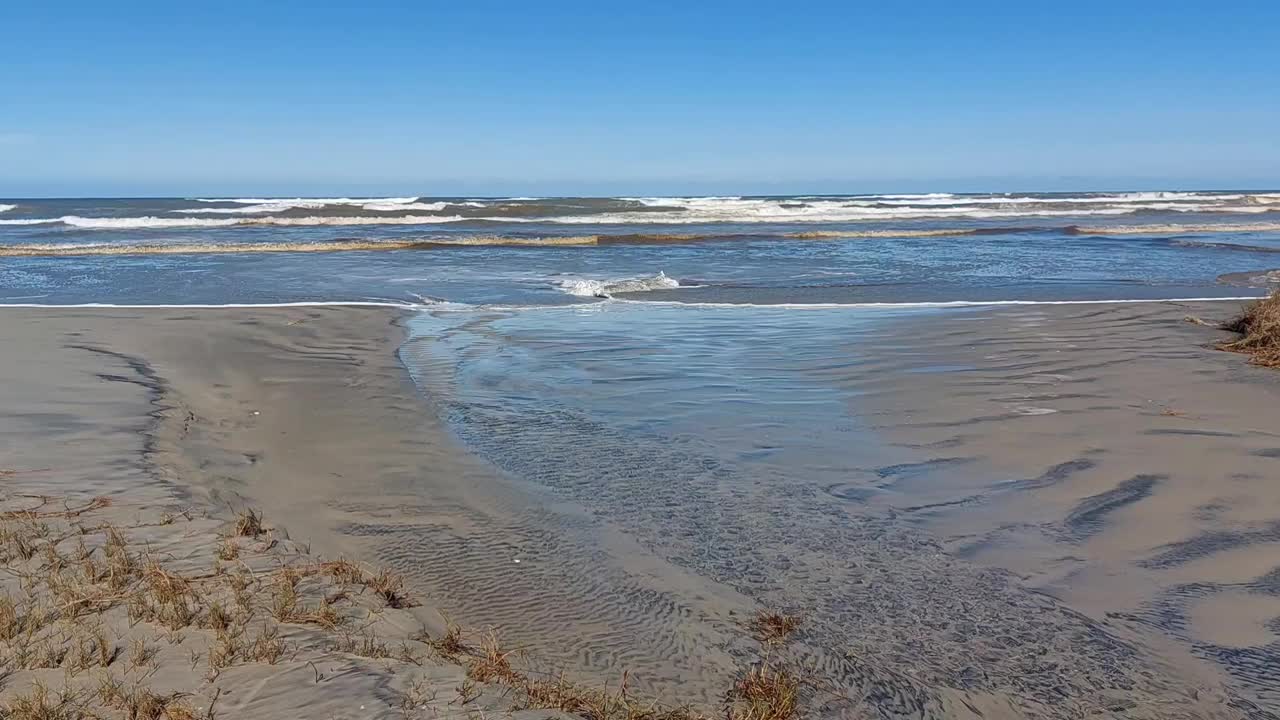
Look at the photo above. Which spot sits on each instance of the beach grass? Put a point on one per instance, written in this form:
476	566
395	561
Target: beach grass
98	609
1259	328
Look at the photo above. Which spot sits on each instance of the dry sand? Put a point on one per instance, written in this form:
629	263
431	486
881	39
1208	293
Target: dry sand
1142	502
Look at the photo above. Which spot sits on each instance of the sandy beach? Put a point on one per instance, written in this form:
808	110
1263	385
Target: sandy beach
1108	540
1106	456
305	415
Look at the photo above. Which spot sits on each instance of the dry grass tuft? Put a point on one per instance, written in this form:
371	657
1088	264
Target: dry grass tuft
224	651
449	646
42	704
345	572
365	645
766	692
267	647
248	523
141	653
228	550
323	615
773	628
13	619
216	618
390	587
140	703
284	601
491	663
1259	328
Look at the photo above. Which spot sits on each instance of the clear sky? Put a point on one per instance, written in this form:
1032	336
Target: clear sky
596	97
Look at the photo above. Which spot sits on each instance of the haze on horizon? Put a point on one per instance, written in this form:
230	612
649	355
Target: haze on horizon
492	98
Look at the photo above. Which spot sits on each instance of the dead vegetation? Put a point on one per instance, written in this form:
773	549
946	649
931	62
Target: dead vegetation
770	689
71	575
1259	328
249	523
773	628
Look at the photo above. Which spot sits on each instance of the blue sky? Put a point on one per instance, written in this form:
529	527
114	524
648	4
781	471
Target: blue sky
598	98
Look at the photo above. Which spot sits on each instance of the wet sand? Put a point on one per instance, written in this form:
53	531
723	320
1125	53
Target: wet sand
1106	456
1112	510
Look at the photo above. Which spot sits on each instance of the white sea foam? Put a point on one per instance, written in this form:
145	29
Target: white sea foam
585	287
1177	228
252	209
29	221
285	205
304	201
853	208
775	213
769	210
143	223
6	208
398	207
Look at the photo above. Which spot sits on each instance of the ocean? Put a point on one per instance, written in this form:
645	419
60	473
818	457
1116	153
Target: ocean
802	250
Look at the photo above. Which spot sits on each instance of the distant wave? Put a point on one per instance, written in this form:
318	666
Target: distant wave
286	205
317	201
949	199
6	208
827	214
77	249
149	222
854	208
1173	228
651	211
236	245
1225	246
29	221
582	287
918	232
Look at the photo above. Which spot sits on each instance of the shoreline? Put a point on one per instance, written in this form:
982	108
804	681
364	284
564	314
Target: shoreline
306	413
622	297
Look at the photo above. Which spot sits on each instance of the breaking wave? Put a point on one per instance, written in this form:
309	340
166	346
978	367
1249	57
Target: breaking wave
1255	278
29	221
583	287
151	222
317	201
6	208
78	249
287	205
1225	246
1173	229
826	214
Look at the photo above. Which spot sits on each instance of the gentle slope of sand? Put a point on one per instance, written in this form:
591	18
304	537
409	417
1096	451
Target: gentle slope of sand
1106	455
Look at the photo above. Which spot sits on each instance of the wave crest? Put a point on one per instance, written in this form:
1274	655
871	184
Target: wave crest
79	249
1172	228
151	222
583	287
